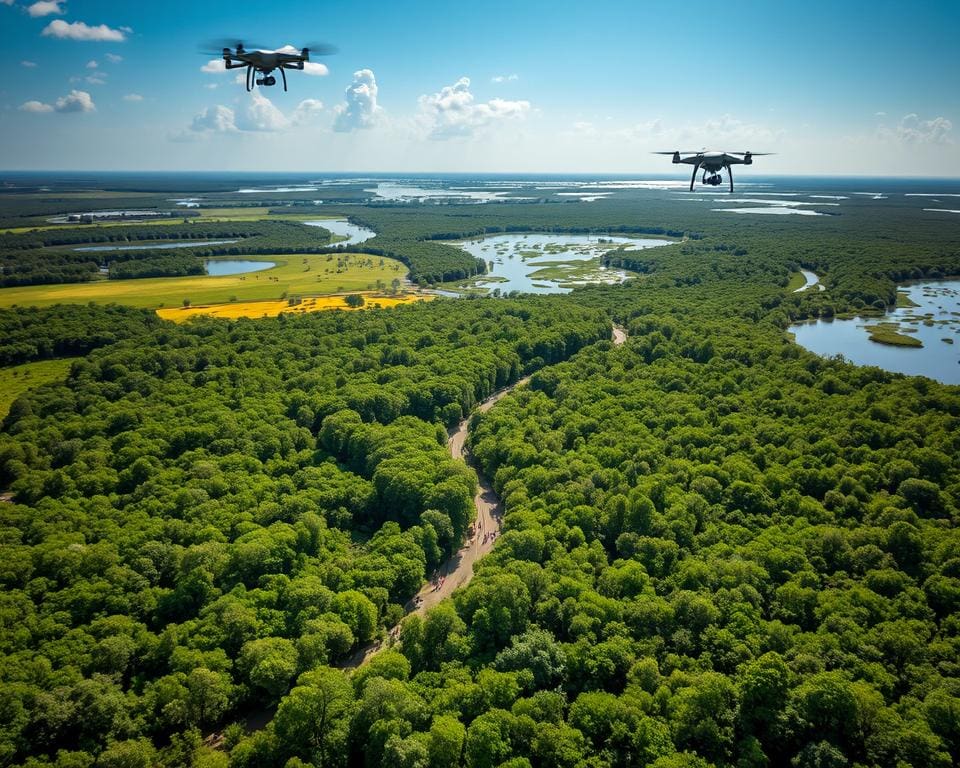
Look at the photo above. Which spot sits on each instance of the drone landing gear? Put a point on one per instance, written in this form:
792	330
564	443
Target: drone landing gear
730	174
266	80
693	178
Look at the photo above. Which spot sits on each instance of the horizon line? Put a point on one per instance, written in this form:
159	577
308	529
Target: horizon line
466	173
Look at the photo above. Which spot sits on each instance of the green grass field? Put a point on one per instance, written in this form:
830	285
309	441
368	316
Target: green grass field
17	379
305	275
797	281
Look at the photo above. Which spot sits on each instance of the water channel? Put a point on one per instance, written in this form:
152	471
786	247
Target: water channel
354	233
153	246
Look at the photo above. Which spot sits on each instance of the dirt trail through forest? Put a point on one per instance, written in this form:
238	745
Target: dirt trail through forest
457	571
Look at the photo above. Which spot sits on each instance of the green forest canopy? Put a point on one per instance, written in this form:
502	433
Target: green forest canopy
718	549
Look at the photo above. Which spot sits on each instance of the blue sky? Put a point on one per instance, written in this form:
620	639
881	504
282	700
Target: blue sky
833	87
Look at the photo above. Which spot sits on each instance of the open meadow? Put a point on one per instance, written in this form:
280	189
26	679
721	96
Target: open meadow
301	275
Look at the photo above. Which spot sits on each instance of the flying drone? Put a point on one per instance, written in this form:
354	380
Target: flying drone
261	62
712	163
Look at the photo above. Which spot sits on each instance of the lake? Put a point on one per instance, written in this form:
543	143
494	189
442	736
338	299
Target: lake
354	233
548	263
223	267
936	318
152	246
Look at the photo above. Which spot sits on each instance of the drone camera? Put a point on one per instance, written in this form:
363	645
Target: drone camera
268	80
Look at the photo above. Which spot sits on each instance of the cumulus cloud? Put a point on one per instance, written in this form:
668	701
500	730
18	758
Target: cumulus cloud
214	66
261	114
133	97
28	64
75	101
35	106
45	8
913	130
77	30
454	111
95	79
217	119
315	68
504	78
92	64
114	58
306	111
257	115
360	109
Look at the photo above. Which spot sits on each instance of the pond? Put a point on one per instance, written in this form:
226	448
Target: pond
354	233
935	322
548	263
222	267
153	246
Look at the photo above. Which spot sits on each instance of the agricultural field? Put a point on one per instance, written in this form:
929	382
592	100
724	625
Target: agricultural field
272	308
293	275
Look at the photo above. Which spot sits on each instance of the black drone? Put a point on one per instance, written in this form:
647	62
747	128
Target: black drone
261	62
712	163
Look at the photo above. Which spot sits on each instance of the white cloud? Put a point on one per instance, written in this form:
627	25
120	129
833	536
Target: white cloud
913	130
214	66
306	111
454	111
257	115
92	64
7	2
212	86
360	109
260	114
504	78
315	68
133	97
217	119
35	106
45	8
114	58
77	30
28	64
75	101
95	79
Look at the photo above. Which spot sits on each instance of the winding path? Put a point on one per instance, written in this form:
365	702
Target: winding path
457	571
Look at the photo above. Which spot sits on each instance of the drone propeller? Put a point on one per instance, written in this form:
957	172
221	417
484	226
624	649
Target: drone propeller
755	154
215	46
320	49
680	152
